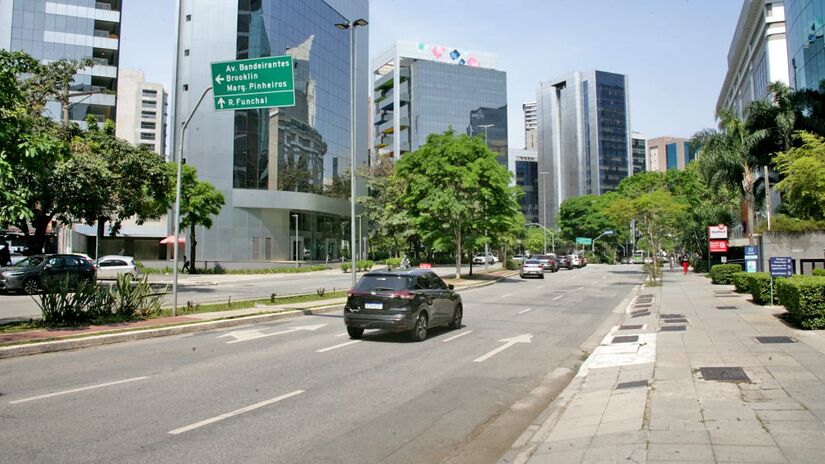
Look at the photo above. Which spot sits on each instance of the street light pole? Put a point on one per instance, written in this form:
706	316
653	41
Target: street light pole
552	234
296	239
351	25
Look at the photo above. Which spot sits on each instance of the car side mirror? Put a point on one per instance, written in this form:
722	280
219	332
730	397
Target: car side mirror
451	286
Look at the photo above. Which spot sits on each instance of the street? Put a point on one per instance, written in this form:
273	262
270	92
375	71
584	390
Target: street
300	390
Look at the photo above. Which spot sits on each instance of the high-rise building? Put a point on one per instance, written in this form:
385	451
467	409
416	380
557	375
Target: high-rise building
639	148
524	165
284	172
71	29
530	125
141	111
758	55
583	137
668	153
422	89
806	42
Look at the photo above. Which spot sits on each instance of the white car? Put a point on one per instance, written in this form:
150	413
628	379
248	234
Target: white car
490	258
575	261
109	267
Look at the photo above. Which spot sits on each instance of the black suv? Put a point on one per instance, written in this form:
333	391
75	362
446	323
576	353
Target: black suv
411	300
30	274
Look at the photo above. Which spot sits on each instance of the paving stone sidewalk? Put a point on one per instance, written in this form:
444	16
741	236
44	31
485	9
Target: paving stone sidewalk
696	373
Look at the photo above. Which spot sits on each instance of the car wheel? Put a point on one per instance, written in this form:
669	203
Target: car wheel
355	332
31	286
457	315
419	332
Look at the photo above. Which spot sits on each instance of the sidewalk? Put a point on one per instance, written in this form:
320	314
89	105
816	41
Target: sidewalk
695	373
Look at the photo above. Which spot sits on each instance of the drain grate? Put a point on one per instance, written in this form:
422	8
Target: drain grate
639	311
671	316
642	305
639	314
726	307
672	328
775	340
626	339
631	327
724	374
675	321
633	384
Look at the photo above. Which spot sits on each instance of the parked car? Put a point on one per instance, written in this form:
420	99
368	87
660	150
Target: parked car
564	261
480	258
31	274
519	258
575	261
531	267
109	267
583	260
626	260
550	262
411	300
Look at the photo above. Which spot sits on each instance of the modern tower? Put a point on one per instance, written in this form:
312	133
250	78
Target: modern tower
639	148
584	142
524	165
141	111
806	42
422	89
71	29
530	125
280	169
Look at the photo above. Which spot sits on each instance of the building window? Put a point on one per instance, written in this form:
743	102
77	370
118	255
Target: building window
185	87
147	136
151	93
188	18
147	104
186	52
148	125
672	157
148	115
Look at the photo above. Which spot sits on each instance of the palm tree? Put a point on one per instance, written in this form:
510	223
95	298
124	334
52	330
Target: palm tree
728	157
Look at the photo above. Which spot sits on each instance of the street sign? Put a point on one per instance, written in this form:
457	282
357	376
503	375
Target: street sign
718	246
781	266
719	232
425	266
584	241
609	232
751	258
253	83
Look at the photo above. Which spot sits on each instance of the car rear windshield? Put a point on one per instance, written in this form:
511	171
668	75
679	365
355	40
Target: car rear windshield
379	283
31	261
532	261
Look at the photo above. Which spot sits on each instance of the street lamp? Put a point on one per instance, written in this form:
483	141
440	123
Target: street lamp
360	237
553	234
351	25
296	239
593	243
544	198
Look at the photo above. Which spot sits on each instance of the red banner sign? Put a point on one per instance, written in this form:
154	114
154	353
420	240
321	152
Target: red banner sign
718	246
425	266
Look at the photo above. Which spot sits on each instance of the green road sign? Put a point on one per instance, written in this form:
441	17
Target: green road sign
584	241
253	83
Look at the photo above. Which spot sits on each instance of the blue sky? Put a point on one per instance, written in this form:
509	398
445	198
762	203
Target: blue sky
674	51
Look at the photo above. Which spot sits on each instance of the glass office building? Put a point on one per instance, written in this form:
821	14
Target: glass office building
806	42
285	172
422	89
639	148
584	137
525	165
70	29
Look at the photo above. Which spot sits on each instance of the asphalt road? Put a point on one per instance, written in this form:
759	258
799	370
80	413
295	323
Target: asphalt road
300	391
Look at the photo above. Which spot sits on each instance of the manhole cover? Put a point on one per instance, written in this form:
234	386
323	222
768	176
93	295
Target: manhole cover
638	314
633	384
672	328
724	374
645	305
775	340
626	339
631	327
671	316
675	321
726	307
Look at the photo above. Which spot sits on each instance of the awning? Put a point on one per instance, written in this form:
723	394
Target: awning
171	239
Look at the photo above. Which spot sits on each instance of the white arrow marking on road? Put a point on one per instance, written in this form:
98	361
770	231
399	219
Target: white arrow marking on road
525	310
235	412
221	102
459	335
219	79
108	384
246	335
324	350
524	338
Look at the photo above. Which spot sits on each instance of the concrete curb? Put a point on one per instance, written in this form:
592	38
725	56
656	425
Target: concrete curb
130	335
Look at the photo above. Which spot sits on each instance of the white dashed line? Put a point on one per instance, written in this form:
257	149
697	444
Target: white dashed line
235	413
75	390
558	297
458	336
335	347
341	334
506	295
525	310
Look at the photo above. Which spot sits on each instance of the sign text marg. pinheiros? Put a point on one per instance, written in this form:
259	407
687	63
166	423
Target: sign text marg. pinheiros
253	83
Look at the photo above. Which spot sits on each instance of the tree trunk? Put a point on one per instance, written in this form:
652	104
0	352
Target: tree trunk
192	248
747	186
458	251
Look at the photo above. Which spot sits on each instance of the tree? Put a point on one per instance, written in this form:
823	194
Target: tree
454	188
728	157
389	225
586	216
803	184
200	200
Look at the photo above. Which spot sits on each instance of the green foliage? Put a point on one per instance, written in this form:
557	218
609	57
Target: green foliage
760	287
742	282
135	299
587	216
345	266
389	227
722	274
392	263
792	225
804	298
511	265
803	185
818	272
364	264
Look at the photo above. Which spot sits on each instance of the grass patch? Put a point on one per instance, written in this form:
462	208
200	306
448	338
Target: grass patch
220	270
273	301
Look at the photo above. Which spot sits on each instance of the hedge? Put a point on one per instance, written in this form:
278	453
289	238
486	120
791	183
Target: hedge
741	280
804	298
760	287
722	274
819	272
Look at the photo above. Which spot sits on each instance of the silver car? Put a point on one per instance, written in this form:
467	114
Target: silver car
532	267
109	267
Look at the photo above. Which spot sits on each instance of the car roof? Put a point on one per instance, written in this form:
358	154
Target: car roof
126	258
406	272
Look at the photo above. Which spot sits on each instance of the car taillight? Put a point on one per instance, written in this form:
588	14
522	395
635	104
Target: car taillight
404	295
350	293
541	266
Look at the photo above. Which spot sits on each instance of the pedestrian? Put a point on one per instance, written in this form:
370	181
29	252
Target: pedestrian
685	263
672	260
185	264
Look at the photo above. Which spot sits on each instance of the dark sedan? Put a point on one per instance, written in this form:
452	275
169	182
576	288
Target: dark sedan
410	300
565	262
31	274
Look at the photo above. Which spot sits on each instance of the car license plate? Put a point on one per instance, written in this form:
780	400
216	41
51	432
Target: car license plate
373	306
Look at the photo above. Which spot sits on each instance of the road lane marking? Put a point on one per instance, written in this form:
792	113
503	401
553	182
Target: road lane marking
75	390
247	335
558	297
335	347
580	288
540	287
525	310
235	413
342	334
506	295
457	336
524	338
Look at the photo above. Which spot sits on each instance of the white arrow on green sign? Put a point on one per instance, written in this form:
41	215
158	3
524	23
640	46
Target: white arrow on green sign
254	83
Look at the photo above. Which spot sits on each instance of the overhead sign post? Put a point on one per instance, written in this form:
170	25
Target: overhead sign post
779	266
253	83
584	241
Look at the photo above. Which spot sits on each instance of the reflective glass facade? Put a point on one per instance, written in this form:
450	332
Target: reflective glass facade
672	156
527	178
613	130
690	152
805	21
639	146
304	148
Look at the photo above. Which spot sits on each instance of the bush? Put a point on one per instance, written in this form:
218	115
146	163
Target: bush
760	287
819	272
364	264
345	266
722	274
61	304
804	298
741	280
392	263
135	299
511	265
698	264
